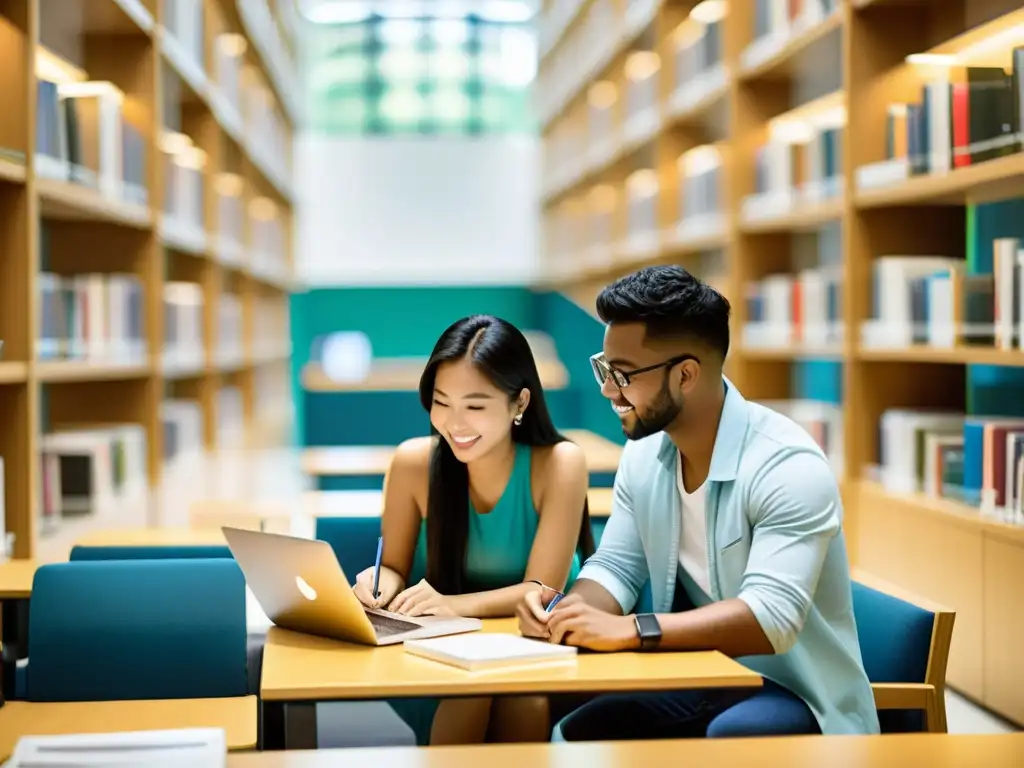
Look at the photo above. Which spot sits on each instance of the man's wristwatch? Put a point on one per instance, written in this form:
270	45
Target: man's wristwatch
649	630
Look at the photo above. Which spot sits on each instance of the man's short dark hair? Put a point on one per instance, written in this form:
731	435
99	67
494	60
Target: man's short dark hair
671	303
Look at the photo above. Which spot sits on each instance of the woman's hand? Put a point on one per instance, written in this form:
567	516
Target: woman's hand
422	600
390	584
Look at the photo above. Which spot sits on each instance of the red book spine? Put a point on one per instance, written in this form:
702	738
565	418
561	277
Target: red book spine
796	311
961	125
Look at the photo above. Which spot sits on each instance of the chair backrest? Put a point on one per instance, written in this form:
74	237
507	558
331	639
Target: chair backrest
137	629
901	641
150	552
353	539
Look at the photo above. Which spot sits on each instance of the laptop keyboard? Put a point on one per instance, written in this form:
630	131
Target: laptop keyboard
385	626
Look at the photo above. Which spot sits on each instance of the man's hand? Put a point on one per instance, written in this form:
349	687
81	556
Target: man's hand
573	622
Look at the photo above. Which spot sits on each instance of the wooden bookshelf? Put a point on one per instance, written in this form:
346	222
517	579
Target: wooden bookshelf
209	86
854	62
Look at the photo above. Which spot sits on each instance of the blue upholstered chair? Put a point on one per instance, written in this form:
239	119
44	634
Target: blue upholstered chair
137	629
150	552
353	539
904	642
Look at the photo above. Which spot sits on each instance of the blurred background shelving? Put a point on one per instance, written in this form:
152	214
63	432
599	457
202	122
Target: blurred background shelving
146	207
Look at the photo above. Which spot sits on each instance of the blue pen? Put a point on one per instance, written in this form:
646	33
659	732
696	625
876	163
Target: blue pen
376	568
554	602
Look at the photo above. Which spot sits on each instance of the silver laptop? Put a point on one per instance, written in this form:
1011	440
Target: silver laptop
300	585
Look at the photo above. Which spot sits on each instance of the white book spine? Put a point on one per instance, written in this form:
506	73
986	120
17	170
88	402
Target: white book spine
1004	259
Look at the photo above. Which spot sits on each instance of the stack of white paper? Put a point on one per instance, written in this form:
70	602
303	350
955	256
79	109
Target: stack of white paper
192	747
490	650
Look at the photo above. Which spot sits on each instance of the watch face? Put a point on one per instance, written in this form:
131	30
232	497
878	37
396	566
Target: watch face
648	625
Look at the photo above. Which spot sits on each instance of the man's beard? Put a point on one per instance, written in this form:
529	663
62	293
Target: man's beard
658	416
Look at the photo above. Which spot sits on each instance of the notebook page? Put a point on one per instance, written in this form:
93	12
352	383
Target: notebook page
194	747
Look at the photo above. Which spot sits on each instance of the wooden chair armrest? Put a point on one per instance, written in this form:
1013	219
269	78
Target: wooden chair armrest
902	695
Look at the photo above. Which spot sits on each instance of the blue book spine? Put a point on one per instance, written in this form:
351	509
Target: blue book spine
974	455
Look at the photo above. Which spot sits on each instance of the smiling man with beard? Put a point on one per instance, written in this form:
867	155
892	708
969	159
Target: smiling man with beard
731	514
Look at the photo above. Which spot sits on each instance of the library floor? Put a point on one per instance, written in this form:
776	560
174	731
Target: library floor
274	476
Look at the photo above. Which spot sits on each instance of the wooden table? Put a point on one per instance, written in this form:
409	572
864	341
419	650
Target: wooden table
300	670
896	751
153	537
16	578
361	460
237	716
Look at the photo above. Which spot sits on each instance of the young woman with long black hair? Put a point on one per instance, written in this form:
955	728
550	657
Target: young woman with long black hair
489	507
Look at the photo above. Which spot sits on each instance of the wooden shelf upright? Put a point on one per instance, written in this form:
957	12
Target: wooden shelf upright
844	70
181	176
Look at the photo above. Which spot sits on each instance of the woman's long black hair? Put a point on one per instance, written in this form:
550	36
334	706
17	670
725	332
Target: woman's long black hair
501	352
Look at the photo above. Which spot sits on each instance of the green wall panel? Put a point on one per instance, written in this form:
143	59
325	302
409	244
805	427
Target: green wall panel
406	322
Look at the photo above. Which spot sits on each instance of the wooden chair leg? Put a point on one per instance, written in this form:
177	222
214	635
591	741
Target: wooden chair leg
935	712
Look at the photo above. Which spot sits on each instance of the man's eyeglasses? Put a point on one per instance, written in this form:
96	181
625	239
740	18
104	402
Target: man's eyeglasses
603	370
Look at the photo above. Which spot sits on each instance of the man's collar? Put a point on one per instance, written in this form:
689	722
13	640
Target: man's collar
732	428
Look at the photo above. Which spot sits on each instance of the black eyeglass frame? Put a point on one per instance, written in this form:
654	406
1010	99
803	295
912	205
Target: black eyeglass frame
622	378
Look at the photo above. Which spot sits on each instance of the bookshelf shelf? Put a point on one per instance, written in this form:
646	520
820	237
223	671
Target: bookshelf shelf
804	242
793	55
13	373
65	201
955	356
153	126
805	216
12	172
72	371
997	179
794	352
955	513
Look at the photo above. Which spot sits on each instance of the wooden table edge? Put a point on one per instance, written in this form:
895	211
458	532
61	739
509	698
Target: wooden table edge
477	687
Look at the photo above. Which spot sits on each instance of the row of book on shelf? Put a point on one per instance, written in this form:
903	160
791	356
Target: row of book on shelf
593	219
786	309
776	22
91	468
965	115
99	318
973	460
939	301
83	137
799	164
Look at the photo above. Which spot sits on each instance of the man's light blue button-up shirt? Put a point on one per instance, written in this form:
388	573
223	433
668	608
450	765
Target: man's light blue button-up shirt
775	541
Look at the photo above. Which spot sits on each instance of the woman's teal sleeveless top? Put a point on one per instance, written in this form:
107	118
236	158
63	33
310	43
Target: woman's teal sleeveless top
497	551
499	543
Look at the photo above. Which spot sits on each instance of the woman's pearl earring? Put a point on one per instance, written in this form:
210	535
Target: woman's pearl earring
518	419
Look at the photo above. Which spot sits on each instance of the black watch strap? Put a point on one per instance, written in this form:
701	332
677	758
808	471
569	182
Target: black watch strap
649	630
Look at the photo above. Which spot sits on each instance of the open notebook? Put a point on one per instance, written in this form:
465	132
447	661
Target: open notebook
489	650
186	747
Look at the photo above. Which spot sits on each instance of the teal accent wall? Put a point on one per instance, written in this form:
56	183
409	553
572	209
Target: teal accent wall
403	321
406	322
578	335
400	321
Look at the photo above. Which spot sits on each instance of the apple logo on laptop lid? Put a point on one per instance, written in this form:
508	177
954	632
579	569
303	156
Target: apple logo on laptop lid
307	591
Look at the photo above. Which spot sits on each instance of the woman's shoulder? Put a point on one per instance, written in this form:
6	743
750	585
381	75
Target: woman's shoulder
559	462
413	454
